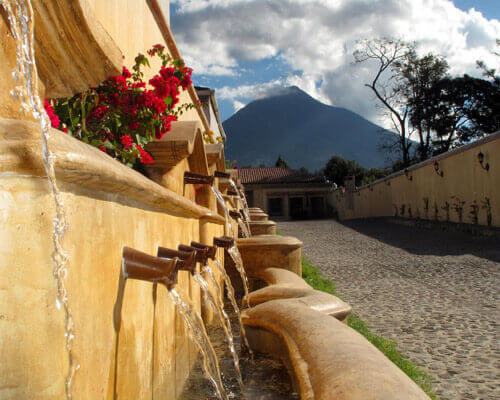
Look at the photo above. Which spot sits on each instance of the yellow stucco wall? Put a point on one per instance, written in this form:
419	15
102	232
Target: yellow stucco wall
132	25
464	180
150	352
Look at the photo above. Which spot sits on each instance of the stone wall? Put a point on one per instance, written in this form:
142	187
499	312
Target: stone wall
453	187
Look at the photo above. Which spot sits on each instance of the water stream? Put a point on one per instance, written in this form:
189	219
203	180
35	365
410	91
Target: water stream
232	299
264	377
22	26
222	203
196	329
244	228
218	308
238	262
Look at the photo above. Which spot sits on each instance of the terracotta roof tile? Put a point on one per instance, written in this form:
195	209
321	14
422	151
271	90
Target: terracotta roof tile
277	175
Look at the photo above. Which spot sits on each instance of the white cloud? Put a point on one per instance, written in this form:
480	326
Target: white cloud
315	39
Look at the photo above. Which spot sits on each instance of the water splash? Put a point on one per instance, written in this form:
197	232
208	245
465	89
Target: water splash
222	203
196	329
218	308
234	303
22	26
238	262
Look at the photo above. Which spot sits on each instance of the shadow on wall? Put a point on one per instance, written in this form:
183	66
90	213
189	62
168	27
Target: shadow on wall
424	241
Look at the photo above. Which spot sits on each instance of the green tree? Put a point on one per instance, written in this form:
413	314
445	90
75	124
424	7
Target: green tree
337	169
281	163
418	76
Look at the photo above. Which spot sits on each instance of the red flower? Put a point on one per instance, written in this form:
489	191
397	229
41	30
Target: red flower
99	112
54	119
127	141
186	79
145	156
156	49
126	73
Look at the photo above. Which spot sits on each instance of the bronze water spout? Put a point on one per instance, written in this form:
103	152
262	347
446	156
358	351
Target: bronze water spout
144	267
220	174
197	179
224	242
211	250
200	254
187	261
234	214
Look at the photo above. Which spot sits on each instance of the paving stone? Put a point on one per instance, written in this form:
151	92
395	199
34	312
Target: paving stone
435	293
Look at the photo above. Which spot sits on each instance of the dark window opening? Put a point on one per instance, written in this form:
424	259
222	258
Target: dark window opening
275	207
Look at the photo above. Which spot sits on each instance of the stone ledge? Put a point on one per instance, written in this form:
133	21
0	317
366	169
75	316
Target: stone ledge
263	241
88	168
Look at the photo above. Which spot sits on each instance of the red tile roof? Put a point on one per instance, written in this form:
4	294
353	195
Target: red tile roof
277	175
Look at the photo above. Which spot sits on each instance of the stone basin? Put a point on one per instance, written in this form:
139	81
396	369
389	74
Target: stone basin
265	251
262	228
258	216
326	359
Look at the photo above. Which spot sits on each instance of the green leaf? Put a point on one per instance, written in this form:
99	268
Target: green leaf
109	145
96	142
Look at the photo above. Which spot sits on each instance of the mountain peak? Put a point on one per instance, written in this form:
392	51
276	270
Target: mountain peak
306	132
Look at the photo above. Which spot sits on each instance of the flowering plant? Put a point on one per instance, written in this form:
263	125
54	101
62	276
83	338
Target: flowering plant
123	114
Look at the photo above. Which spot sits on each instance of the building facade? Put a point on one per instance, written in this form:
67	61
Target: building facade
284	193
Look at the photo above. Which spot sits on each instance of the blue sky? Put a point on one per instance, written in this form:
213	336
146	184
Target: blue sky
245	49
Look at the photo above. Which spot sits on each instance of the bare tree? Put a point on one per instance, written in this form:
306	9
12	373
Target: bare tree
388	54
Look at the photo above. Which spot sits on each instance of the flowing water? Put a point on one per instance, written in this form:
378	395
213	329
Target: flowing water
218	308
245	210
222	203
238	262
196	329
232	299
244	228
264	378
22	26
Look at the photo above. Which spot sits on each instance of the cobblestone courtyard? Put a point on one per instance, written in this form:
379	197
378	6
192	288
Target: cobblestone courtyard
435	293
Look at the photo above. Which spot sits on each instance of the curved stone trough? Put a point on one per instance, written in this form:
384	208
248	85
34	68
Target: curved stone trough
326	359
284	284
290	320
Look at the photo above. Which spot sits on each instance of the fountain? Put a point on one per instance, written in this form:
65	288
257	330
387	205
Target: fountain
163	270
215	301
229	286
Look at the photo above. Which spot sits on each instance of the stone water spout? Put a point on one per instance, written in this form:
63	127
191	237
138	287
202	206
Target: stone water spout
144	267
